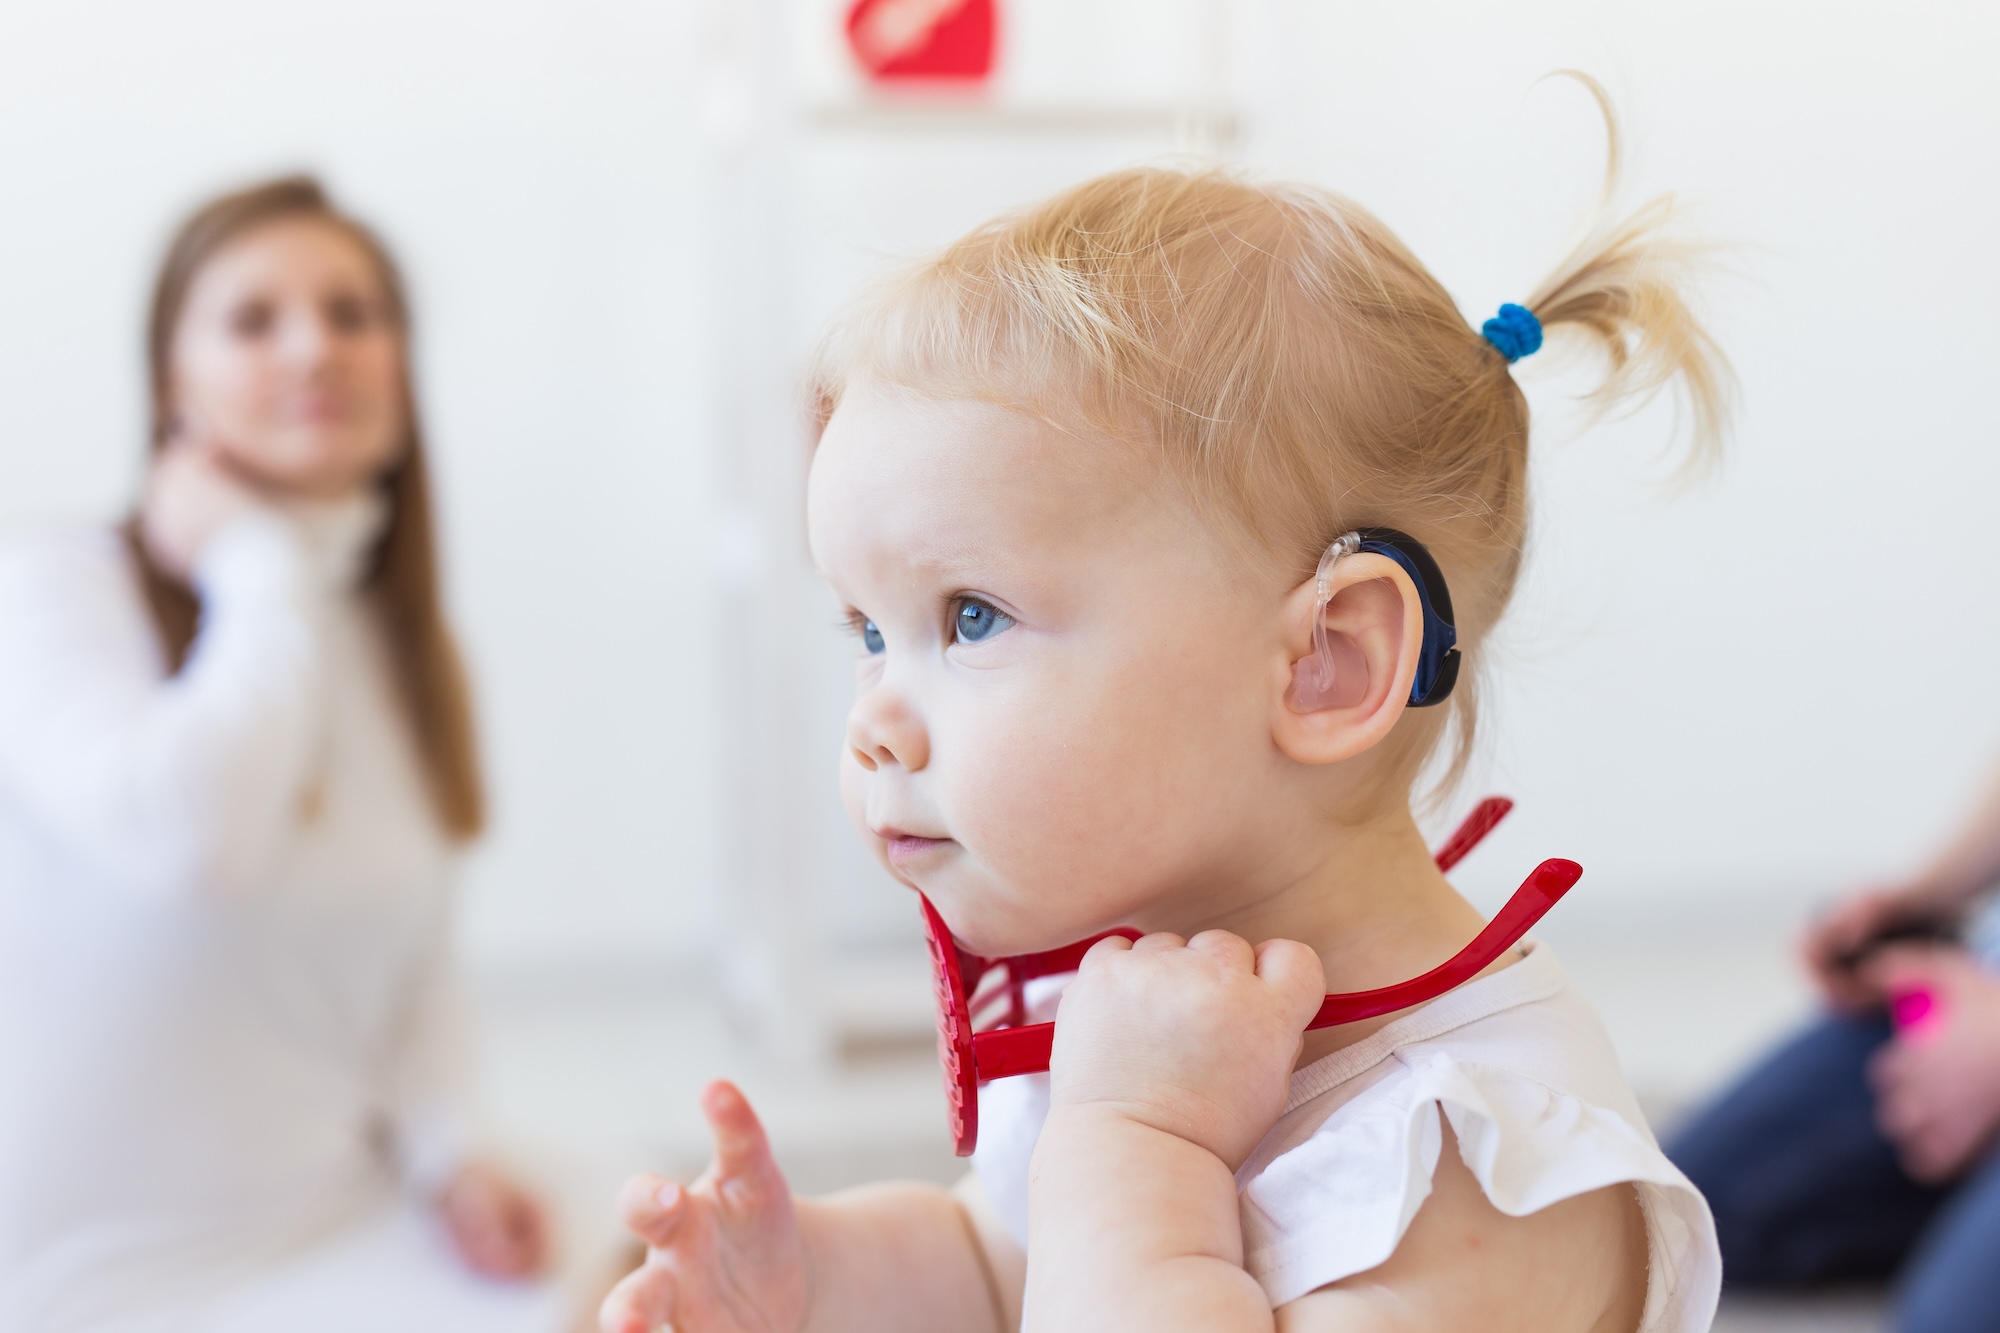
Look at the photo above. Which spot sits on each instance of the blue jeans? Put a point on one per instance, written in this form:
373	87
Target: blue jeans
1806	1191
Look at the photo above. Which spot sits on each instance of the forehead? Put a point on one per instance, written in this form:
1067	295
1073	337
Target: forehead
950	484
306	252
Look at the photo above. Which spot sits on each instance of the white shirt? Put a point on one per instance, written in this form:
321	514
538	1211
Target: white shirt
1518	1064
226	1029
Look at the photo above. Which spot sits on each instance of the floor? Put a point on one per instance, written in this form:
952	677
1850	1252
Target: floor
1859	1312
598	1076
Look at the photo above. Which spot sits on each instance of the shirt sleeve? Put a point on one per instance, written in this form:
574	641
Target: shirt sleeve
164	786
430	1075
1340	1202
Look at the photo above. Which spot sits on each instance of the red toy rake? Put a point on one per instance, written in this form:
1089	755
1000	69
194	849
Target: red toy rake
1015	1046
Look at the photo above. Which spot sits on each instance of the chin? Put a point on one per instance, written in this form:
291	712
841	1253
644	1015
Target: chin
319	467
997	925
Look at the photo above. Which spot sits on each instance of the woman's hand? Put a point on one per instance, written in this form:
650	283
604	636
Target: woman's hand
1196	1038
190	497
725	1255
1834	944
498	1228
1937	1085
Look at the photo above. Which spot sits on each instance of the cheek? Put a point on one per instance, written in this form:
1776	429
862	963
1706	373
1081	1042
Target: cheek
374	375
221	384
377	373
1101	792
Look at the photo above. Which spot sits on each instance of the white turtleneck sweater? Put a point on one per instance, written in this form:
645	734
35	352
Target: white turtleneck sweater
227	1040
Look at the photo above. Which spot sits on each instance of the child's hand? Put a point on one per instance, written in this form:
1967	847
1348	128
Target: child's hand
725	1254
1197	1039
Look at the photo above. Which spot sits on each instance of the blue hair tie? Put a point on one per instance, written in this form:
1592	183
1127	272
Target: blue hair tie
1515	332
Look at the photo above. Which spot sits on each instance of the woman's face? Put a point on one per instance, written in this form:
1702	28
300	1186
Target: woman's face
288	361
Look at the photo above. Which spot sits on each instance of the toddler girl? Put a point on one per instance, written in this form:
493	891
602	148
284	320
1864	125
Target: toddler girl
1075	483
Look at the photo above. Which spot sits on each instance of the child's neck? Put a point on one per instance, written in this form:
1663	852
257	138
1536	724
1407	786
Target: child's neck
1371	902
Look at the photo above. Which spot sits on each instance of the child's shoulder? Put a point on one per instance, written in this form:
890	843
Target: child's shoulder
1522	1025
1521	1070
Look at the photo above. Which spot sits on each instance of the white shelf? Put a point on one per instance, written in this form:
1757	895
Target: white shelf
947	116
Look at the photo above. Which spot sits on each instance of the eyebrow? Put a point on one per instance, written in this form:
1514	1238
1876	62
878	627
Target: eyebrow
956	559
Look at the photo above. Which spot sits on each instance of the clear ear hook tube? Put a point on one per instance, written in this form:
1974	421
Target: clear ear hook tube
1342	547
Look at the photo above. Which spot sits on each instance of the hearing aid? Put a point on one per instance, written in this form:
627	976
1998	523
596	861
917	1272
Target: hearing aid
1333	676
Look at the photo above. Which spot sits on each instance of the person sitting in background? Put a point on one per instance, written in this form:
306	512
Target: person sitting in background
236	764
1857	1152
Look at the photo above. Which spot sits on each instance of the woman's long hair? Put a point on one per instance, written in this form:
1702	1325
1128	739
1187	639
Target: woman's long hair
401	582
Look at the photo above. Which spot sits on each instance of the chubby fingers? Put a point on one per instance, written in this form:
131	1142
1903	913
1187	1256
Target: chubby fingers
1107	946
1294	971
652	1208
1284	962
1215	942
742	1152
641	1302
1221	946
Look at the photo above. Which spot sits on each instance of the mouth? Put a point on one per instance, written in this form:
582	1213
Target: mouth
322	409
904	848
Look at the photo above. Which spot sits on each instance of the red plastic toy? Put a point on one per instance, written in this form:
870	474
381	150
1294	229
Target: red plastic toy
1013	1046
902	40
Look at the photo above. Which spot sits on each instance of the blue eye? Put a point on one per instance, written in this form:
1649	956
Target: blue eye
871	638
977	620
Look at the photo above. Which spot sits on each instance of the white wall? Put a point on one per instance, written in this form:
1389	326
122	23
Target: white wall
1781	683
1769	687
531	162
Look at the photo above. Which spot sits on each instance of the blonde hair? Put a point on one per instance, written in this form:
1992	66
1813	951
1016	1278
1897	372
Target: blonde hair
1286	358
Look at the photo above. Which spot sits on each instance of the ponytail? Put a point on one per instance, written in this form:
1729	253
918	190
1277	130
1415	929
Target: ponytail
1624	287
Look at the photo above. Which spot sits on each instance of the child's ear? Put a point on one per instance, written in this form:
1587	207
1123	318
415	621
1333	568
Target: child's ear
1374	635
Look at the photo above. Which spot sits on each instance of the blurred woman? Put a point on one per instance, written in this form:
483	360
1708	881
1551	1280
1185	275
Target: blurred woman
236	763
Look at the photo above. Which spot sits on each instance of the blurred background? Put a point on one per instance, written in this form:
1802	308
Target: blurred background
625	222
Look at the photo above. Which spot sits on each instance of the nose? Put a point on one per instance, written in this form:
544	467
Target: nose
309	338
883	728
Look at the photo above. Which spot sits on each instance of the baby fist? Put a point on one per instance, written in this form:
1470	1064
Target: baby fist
1196	1038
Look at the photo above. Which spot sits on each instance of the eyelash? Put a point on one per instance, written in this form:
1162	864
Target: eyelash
857	624
959	606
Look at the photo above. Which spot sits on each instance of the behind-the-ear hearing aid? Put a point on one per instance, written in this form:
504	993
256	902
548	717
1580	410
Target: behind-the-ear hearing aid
1323	680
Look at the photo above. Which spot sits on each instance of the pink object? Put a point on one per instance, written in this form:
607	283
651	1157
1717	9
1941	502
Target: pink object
931	40
1015	1046
1918	1013
1484	818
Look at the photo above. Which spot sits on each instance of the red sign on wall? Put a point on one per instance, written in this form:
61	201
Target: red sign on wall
896	40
